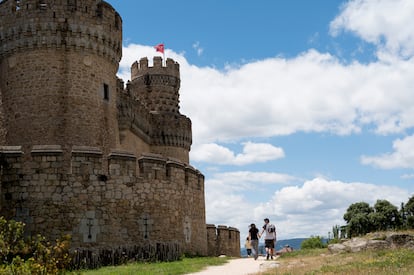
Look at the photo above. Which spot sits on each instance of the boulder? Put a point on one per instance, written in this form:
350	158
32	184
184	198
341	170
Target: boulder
401	240
392	240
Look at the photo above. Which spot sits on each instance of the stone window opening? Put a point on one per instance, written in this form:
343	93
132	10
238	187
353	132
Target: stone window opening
99	11
116	22
168	172
106	91
42	5
17	5
72	5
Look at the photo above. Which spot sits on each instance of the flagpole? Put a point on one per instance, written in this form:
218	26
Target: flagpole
163	53
161	48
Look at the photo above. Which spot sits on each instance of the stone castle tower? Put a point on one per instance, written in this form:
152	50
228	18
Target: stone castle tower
81	154
58	64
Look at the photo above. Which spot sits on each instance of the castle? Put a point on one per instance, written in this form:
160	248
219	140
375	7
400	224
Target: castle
83	154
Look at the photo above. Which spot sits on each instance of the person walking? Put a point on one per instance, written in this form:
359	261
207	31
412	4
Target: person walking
254	240
270	238
248	246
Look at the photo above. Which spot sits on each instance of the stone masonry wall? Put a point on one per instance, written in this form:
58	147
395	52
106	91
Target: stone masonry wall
146	200
223	240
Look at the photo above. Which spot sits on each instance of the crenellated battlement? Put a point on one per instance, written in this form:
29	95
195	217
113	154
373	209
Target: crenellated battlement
88	161
223	240
92	26
171	68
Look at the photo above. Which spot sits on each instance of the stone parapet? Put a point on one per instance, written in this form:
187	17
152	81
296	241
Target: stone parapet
223	240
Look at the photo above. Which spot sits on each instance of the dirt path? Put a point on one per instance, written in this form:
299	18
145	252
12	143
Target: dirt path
242	266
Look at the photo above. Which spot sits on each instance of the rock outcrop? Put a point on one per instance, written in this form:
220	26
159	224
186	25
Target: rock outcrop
375	241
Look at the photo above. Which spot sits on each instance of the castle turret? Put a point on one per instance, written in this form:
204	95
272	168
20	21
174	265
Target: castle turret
157	89
58	64
157	86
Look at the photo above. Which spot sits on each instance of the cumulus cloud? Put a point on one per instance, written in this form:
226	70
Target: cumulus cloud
312	92
227	195
381	22
310	208
252	153
401	157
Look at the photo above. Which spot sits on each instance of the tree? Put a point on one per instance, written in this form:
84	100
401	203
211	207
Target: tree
385	216
335	231
357	218
409	212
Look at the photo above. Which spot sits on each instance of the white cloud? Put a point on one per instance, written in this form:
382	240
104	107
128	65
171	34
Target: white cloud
401	157
227	195
387	24
199	50
313	92
301	211
407	176
252	153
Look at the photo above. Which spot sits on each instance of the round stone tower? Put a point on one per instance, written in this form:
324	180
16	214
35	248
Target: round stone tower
157	88
58	64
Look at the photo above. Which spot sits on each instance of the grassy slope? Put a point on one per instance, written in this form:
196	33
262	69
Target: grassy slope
320	261
186	265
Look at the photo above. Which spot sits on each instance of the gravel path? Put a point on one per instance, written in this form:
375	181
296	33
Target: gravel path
242	266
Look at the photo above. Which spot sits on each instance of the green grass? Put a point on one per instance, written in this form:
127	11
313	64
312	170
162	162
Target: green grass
320	261
184	266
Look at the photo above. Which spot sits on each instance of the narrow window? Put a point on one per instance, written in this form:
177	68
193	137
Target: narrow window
168	172
106	91
17	5
71	5
99	11
42	5
116	22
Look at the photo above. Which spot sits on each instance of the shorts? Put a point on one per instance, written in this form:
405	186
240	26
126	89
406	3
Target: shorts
270	243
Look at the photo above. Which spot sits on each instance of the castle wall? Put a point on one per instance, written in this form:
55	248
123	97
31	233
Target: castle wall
146	200
133	143
223	240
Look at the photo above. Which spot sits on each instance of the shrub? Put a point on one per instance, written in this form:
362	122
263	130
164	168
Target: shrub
312	243
30	256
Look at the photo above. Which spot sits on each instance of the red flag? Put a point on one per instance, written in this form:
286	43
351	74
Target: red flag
159	48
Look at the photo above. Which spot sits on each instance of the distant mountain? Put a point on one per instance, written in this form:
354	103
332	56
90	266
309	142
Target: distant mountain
295	243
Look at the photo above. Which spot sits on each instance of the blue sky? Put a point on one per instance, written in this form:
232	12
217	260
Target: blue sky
299	108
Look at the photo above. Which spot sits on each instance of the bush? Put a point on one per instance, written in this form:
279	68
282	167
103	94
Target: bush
30	256
312	243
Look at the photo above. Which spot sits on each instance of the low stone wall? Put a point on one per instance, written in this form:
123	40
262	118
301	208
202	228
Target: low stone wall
223	240
95	258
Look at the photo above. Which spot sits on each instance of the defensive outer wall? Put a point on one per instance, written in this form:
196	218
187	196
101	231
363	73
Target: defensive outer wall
83	154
